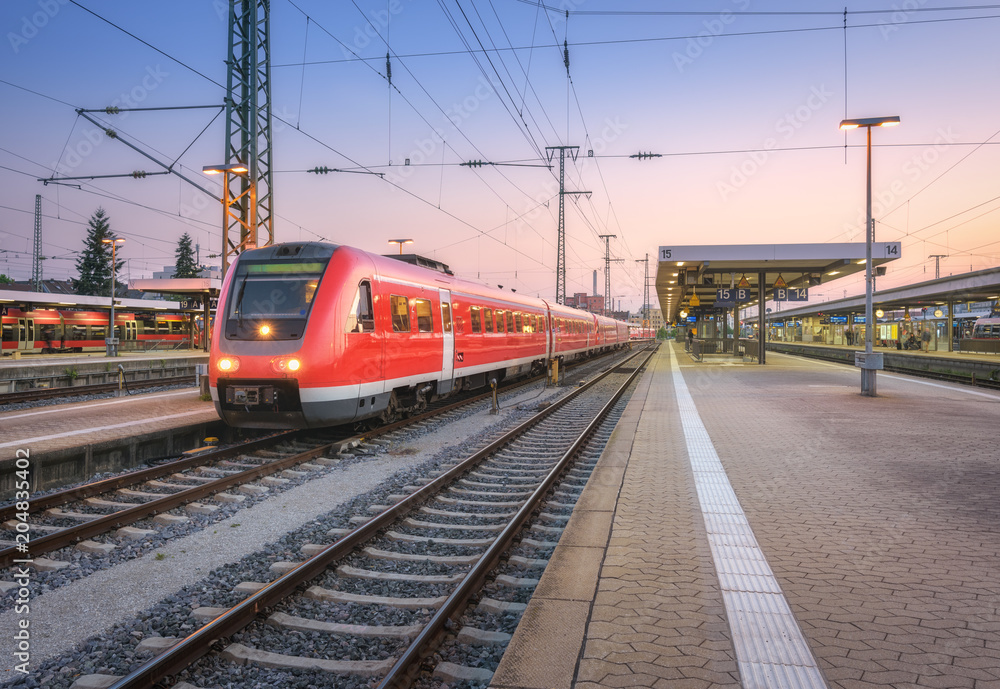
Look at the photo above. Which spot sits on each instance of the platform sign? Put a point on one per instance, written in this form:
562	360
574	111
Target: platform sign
791	294
871	360
727	297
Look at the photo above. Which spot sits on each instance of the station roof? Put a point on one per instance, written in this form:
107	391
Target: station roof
193	286
978	286
684	271
77	301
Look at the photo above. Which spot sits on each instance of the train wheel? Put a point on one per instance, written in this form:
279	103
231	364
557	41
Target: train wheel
391	413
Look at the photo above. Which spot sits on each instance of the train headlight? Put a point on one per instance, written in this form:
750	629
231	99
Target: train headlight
265	330
228	364
286	365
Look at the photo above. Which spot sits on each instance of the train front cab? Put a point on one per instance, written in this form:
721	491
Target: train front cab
365	342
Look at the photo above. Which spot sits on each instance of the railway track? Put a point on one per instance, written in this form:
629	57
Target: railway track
100	388
251	468
933	375
395	583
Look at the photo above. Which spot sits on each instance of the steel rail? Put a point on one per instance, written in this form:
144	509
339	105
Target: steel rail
135	477
190	649
63	497
404	670
68	536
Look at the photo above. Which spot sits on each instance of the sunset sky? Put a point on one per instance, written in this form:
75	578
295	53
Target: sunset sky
741	99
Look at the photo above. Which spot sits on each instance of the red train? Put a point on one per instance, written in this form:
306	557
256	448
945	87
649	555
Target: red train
312	334
42	330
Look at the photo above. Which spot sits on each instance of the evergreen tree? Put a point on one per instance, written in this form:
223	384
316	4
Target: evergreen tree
94	263
184	265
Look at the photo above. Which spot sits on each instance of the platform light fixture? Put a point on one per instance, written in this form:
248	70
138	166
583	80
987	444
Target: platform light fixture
868	388
401	242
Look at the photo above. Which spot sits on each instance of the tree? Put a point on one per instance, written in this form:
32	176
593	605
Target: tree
94	263
184	265
4	280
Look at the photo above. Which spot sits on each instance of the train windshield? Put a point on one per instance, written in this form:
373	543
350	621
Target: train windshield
269	290
276	293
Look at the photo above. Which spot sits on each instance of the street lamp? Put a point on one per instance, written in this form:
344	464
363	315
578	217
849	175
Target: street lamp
247	215
111	342
401	242
870	364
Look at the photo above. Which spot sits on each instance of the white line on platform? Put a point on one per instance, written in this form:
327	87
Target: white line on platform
83	431
61	408
771	651
956	387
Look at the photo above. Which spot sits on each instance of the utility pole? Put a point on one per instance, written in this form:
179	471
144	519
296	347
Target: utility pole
937	264
247	197
561	250
36	262
607	269
645	290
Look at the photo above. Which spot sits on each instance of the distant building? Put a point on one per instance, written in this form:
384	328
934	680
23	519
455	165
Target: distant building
655	317
586	302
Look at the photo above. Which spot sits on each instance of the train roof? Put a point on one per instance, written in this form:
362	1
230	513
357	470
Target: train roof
36	300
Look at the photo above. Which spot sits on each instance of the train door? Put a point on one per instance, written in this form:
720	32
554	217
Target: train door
448	356
131	331
26	333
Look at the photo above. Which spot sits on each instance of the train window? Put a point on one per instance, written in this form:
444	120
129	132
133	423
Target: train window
361	319
499	316
425	321
446	316
400	313
534	323
79	332
510	322
518	323
98	332
8	333
487	320
476	318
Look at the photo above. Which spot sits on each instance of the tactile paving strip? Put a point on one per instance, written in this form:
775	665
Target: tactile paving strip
770	648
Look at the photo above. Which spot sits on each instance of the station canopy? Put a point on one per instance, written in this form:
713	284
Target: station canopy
694	278
200	290
978	287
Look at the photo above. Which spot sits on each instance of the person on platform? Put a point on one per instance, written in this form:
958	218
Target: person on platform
690	337
925	339
47	334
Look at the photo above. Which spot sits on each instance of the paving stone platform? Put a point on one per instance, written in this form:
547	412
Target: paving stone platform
878	517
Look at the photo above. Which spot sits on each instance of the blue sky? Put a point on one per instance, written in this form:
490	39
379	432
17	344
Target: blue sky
741	98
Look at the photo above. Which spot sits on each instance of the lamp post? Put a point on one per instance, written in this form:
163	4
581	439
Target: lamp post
247	216
111	342
868	374
401	242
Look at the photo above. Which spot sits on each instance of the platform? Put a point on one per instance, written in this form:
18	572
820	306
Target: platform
68	370
70	442
767	526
